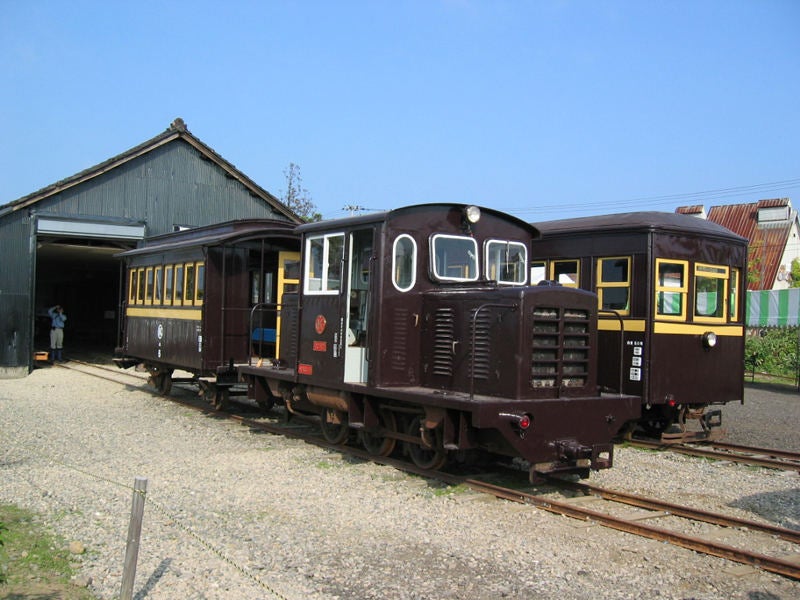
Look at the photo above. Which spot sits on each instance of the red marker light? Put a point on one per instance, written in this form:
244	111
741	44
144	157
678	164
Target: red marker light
524	422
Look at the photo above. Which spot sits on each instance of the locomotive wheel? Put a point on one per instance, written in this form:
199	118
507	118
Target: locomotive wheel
335	428
425	458
266	405
377	444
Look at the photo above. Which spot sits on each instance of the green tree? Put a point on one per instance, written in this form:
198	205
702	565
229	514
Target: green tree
298	198
795	273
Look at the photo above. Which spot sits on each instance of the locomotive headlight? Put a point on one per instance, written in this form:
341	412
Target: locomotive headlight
709	339
472	214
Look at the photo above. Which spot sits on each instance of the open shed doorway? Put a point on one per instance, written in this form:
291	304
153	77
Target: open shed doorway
83	276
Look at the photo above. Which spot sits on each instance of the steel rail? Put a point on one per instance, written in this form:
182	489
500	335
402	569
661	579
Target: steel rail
787	454
769	463
776	565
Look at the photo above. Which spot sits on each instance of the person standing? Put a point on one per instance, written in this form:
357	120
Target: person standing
57	321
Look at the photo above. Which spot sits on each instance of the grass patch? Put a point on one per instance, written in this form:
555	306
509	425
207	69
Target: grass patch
33	562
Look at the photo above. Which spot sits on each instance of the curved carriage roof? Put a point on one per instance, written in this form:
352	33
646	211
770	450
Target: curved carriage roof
387	215
215	235
644	221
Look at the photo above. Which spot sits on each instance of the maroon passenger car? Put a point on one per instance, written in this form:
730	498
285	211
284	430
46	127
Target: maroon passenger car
418	325
671	297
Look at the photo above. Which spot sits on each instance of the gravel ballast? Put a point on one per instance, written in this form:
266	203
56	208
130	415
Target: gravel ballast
234	513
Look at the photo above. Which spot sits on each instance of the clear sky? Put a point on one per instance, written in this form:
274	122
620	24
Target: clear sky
545	109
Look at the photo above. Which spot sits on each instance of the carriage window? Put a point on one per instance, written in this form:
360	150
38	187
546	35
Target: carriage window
200	288
404	263
710	283
538	271
454	258
188	292
140	287
671	288
506	262
565	272
734	296
614	284
159	286
324	257
178	284
132	286
148	294
168	284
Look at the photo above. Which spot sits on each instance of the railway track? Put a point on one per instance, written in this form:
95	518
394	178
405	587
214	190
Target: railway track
561	497
759	457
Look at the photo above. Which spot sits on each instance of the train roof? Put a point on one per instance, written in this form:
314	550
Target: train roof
644	221
379	216
213	235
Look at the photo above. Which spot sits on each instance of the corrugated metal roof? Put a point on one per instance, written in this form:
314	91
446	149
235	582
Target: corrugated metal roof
767	241
176	130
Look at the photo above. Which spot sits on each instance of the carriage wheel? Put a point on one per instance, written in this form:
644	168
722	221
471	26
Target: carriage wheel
377	444
221	397
163	382
426	458
335	428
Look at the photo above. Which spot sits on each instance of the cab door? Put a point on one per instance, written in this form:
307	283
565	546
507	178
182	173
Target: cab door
360	263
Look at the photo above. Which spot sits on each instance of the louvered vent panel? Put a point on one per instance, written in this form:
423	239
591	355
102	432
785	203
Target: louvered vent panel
444	336
480	353
399	348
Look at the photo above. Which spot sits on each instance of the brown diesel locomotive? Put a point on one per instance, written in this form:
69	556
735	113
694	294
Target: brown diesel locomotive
418	325
670	291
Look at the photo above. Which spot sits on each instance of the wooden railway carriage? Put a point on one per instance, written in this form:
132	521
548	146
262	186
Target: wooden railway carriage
670	292
417	325
203	299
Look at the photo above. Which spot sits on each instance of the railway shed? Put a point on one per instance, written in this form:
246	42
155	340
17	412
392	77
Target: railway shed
58	243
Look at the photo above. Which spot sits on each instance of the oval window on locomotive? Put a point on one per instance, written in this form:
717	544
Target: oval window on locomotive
404	262
455	258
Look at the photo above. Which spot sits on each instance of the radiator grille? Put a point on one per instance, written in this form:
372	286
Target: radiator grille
560	348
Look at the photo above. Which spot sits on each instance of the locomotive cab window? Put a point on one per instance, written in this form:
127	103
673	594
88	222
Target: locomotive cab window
506	261
710	283
455	258
671	289
565	272
323	264
404	263
614	284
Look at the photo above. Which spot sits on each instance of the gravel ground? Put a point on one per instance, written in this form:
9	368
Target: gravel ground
233	513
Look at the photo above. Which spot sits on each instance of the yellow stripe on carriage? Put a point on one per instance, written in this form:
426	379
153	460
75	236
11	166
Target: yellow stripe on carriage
612	324
183	314
687	329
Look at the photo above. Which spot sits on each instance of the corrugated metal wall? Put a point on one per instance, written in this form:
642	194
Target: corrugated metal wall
171	185
16	317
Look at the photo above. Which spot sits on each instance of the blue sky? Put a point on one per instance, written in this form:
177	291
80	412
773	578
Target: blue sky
545	109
